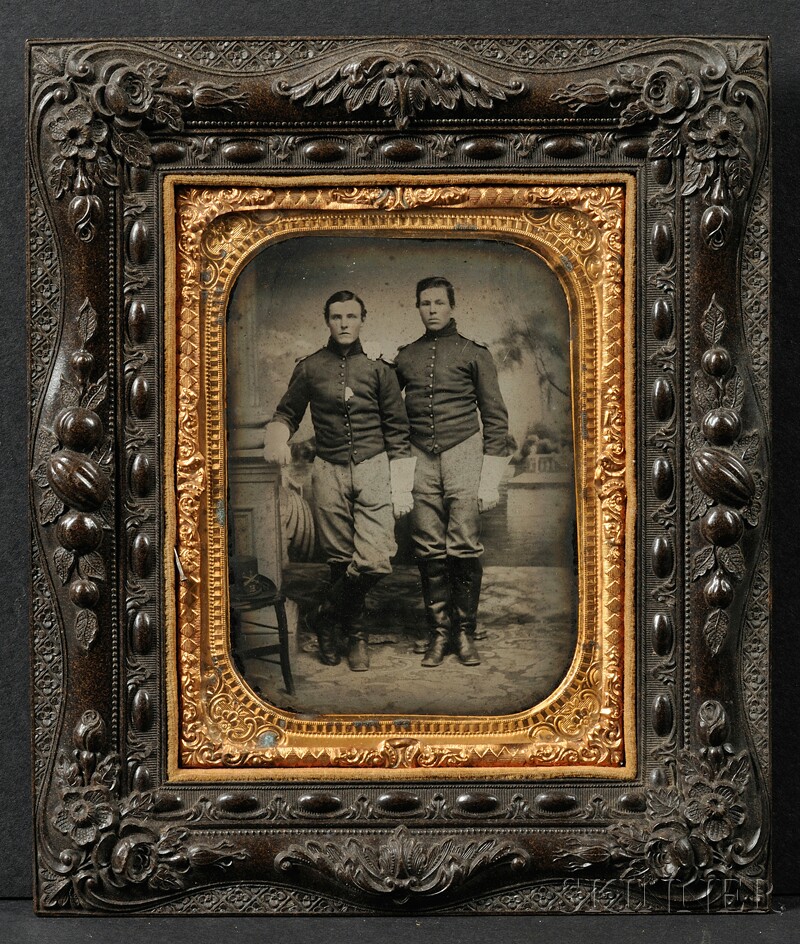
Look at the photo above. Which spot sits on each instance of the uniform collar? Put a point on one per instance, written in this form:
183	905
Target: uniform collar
339	351
446	332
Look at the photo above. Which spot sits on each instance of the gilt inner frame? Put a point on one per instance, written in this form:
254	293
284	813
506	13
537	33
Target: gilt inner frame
583	227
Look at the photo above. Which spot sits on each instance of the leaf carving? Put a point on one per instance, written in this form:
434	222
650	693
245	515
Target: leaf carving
633	73
61	175
87	322
48	441
96	393
750	445
166	112
732	559
133	147
666	142
698	173
705	392
752	511
402	865
703	562
56	890
633	113
739	173
715	630
39	475
107	168
86	628
115	851
48	63
50	507
698	500
401	86
713	322
743	57
154	71
63	559
137	804
69	394
107	772
734	391
67	772
92	566
737	771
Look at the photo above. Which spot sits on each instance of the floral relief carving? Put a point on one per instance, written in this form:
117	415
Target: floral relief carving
112	854
308	820
704	113
265	56
402	866
403	86
399	198
96	119
691	836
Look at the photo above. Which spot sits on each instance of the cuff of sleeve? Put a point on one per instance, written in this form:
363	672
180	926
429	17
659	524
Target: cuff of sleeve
277	418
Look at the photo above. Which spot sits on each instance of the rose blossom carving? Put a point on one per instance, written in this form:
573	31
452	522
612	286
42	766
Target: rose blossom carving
134	858
114	850
128	91
703	117
672	854
98	123
669	92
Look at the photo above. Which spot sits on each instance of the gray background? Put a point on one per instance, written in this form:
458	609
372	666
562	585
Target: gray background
277	303
40	19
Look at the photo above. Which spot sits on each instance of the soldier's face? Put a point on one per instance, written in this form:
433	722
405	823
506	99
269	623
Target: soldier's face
344	321
434	308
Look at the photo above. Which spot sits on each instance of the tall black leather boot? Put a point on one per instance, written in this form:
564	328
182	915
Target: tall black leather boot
328	616
466	574
436	594
354	624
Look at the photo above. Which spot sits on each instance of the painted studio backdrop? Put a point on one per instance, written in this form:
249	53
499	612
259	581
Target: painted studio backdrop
506	298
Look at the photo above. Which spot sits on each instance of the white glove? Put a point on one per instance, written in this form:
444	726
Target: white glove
276	443
402	474
491	475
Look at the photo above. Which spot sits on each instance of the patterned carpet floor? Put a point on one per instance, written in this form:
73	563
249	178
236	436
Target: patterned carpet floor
527	617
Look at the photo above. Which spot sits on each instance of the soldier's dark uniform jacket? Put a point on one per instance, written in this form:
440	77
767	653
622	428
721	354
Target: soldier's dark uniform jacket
448	381
356	406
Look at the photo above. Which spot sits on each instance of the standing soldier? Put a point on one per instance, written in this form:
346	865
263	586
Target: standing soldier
450	382
362	471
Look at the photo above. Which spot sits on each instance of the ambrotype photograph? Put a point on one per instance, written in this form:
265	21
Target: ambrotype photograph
402	515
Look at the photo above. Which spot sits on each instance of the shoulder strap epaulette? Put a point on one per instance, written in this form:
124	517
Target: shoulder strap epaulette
305	357
400	348
473	341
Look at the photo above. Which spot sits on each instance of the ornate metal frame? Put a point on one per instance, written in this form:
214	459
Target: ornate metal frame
113	126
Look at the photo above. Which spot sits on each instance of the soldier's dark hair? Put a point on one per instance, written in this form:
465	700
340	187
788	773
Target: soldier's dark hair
344	297
436	281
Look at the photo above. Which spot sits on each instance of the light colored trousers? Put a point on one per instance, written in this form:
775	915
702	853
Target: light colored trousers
353	512
445	521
